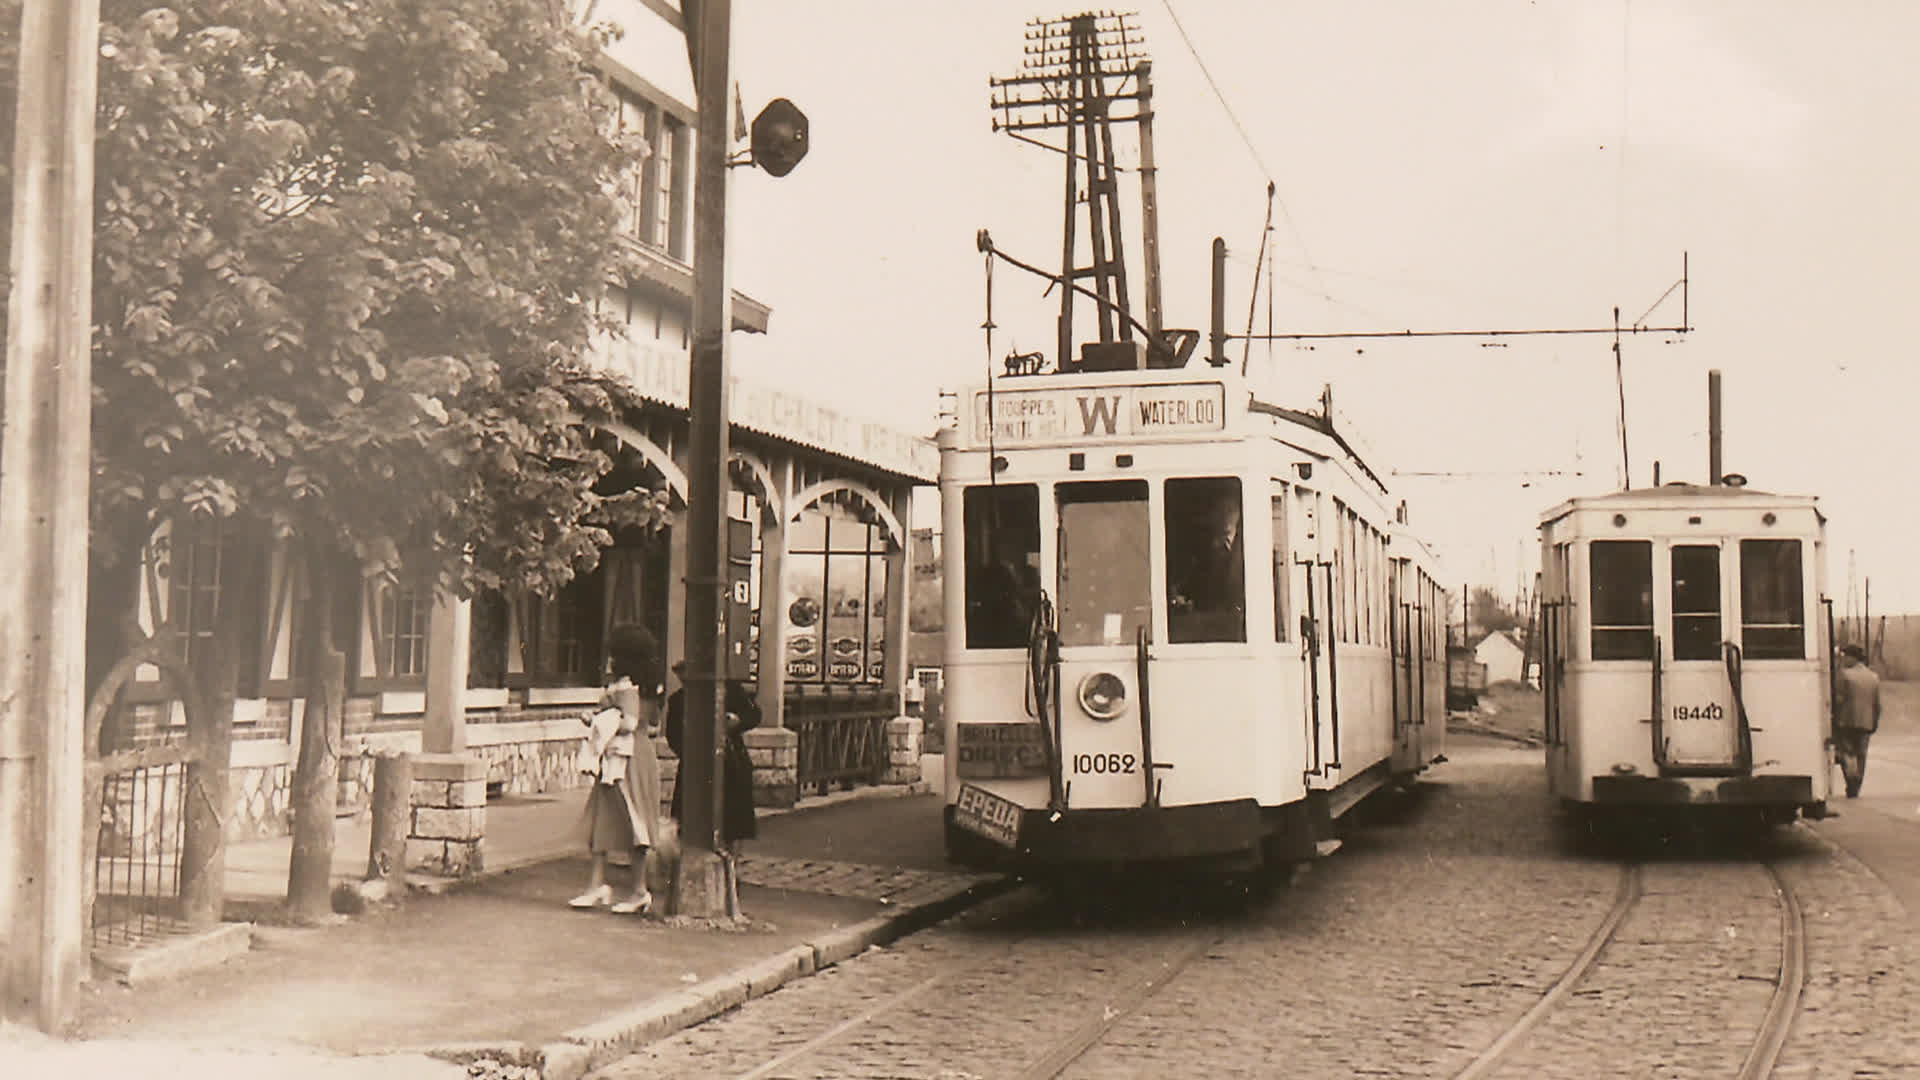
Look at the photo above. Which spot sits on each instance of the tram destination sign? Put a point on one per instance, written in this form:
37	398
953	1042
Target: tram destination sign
1078	414
1000	751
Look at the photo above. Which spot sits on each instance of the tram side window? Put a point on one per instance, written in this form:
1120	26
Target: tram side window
1772	612
1002	524
1206	563
1106	571
1281	567
1696	602
1622	599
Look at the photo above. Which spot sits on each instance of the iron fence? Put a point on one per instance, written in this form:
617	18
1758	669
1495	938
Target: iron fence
842	735
140	840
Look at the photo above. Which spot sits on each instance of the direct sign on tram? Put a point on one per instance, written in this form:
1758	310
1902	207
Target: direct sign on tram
1100	412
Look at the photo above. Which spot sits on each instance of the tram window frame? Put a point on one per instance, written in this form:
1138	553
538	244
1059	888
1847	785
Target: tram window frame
1206	594
1105	597
1620	589
1282	556
1783	638
1001	557
1696	604
1338	599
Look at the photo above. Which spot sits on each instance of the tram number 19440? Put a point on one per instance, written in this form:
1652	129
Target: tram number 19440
1699	712
1101	764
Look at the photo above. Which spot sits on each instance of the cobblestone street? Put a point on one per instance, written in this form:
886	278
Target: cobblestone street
1445	918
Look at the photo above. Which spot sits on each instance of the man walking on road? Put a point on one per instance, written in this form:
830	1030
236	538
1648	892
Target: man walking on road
1856	715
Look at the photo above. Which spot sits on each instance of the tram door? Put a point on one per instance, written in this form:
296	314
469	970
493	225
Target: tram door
1699	722
1313	583
1399	647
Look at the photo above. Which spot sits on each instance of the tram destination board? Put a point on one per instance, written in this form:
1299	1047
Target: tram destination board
1033	417
1000	751
980	811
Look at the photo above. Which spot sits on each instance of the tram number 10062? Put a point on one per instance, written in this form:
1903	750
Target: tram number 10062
1103	763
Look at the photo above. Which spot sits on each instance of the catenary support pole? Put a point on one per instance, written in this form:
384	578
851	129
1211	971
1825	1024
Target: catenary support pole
703	888
43	512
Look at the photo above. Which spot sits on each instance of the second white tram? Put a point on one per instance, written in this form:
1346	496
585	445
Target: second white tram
1183	623
1686	651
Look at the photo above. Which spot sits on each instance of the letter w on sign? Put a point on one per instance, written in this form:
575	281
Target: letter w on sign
1099	411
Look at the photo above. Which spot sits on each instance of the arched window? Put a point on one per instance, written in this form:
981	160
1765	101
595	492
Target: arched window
836	602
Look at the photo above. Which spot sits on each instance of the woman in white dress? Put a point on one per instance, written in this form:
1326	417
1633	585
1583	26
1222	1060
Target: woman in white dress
622	818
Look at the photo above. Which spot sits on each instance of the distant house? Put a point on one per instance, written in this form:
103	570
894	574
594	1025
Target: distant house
1502	654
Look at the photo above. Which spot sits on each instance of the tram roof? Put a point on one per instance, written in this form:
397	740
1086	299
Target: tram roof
1680	495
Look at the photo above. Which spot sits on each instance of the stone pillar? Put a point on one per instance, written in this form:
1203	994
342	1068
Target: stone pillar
903	751
449	814
449	637
776	765
771	686
899	564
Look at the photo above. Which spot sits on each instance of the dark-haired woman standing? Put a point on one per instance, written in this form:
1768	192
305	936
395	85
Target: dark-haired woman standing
622	816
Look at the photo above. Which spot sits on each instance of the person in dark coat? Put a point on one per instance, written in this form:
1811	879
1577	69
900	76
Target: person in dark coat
1856	716
743	712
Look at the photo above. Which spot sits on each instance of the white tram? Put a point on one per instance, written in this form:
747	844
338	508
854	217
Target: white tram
1182	624
1685	651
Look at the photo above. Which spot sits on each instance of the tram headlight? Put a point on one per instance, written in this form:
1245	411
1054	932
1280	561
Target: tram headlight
1103	695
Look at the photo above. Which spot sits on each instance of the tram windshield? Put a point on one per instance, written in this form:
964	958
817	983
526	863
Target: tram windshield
1772	611
1206	561
1622	592
1002	524
1105	567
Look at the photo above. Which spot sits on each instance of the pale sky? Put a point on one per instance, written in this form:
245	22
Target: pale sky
1465	165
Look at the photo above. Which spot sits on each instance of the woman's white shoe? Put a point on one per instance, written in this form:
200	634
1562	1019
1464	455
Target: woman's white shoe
598	896
638	903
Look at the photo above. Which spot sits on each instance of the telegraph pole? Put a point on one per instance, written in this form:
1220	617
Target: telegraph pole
45	443
704	887
1076	69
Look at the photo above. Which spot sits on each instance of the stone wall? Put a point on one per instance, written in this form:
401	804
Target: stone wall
262	802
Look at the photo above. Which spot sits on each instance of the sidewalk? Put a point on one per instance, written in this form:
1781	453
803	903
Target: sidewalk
499	967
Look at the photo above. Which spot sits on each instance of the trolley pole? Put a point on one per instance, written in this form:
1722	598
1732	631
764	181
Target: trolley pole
44	452
704	886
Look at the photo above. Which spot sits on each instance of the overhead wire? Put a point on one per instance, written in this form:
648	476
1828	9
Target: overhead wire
1247	140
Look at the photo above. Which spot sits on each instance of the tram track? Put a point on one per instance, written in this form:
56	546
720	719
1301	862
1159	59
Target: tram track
1775	1023
1029	1008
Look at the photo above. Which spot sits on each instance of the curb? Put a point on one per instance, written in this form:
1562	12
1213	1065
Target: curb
604	1041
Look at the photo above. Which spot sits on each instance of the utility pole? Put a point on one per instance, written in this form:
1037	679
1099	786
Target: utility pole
44	460
704	887
1149	199
1069	65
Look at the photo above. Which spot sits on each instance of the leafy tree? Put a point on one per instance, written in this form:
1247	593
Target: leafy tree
1490	613
349	257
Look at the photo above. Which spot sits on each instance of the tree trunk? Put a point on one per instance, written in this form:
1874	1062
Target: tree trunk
316	771
203	850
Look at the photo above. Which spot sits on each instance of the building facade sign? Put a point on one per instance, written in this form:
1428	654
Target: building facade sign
660	372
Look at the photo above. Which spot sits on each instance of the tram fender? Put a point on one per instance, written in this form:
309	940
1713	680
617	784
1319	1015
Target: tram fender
1295	829
1678	791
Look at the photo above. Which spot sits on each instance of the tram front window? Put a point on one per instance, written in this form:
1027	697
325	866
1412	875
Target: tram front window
1206	561
1696	602
1105	568
1772	612
1622	592
1002	524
